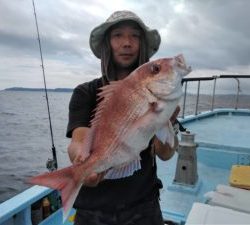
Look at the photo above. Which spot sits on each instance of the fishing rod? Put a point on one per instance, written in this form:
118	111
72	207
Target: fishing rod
51	163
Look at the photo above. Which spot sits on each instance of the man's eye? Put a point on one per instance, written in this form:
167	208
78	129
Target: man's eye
116	35
136	35
155	68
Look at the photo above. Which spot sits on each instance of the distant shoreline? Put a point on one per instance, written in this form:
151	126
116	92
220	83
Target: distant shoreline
39	89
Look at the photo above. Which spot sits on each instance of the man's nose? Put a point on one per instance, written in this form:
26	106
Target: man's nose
127	41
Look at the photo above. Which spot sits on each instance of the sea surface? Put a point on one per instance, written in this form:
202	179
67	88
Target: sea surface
25	142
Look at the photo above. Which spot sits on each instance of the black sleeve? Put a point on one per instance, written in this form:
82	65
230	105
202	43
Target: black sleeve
81	106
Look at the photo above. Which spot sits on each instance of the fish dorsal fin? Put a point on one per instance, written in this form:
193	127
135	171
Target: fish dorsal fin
103	97
107	90
124	170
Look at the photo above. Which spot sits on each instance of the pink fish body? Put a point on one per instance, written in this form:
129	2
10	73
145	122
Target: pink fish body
131	112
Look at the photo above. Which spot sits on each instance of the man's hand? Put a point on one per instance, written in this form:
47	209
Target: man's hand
78	154
94	179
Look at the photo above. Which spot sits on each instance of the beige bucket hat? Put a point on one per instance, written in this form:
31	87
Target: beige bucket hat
152	36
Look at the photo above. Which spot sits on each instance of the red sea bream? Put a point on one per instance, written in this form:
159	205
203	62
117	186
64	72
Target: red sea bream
130	113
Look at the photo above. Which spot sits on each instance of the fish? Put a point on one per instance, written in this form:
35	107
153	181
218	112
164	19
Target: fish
130	112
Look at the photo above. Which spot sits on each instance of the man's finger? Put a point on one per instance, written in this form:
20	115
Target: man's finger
93	179
175	114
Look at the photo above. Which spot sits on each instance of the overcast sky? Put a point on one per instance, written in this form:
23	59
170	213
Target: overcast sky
213	35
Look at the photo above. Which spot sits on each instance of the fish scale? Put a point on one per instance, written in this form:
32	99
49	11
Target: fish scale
128	118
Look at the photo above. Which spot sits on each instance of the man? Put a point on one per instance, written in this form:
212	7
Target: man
122	43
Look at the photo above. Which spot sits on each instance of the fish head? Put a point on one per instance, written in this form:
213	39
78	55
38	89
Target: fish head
162	77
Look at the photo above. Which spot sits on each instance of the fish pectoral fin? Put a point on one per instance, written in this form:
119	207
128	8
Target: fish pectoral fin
157	106
124	170
166	134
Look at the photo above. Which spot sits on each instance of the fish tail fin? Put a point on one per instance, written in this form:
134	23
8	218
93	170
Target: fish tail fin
66	181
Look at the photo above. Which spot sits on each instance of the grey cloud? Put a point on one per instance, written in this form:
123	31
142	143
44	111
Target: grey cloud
212	34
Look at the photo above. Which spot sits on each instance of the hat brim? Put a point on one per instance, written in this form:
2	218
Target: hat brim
96	37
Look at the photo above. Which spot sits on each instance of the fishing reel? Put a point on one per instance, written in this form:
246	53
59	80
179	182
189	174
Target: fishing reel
177	126
51	165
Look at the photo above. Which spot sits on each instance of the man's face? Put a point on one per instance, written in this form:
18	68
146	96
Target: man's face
125	44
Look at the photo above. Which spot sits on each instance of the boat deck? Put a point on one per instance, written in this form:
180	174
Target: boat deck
223	128
221	143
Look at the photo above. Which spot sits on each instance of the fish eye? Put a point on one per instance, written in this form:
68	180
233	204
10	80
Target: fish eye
155	68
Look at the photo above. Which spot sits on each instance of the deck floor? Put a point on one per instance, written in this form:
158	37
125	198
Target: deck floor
224	141
231	130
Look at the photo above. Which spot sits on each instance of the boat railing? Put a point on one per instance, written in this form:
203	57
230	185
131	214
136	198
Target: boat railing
17	210
185	82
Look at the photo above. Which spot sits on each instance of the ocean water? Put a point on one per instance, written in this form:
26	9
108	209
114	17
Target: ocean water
25	143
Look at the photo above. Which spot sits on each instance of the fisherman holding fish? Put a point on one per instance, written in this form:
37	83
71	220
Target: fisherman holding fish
118	124
122	43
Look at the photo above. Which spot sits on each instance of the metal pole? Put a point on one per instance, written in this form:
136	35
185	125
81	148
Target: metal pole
184	100
197	98
238	91
213	93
